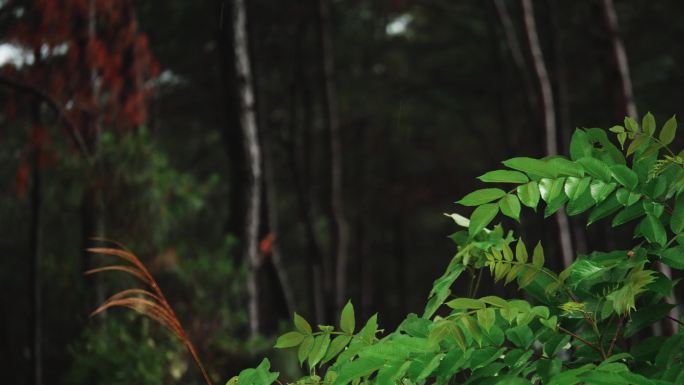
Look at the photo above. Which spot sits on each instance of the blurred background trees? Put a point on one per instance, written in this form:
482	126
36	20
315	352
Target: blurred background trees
132	120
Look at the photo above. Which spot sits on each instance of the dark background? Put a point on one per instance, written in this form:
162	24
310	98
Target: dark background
428	94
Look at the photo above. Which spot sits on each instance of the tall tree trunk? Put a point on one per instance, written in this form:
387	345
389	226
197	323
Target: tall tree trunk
35	239
619	58
330	107
548	116
253	155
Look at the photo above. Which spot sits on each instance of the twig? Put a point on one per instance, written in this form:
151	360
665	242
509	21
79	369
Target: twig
32	89
615	337
591	345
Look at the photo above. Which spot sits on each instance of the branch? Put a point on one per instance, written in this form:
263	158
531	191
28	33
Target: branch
586	342
615	337
25	87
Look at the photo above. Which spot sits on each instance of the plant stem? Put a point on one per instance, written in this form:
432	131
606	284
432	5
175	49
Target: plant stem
615	337
591	345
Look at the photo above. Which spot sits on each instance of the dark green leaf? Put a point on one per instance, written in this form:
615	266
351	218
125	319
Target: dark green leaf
358	368
625	176
674	257
482	196
628	214
653	230
481	217
596	168
581	204
677	220
504	176
604	209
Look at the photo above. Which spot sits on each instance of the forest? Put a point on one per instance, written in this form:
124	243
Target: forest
329	192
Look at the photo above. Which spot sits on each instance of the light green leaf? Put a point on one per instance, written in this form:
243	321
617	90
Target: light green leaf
481	217
510	206
472	327
551	189
289	340
504	176
529	194
459	219
356	369
631	125
538	256
465	304
639	141
336	346
667	134
648	124
486	318
653	230
304	349
625	176
347	321
482	196
520	252
600	190
301	324
575	187
318	350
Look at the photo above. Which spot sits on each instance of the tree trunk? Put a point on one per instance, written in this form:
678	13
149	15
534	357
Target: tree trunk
35	239
330	107
548	116
253	157
619	58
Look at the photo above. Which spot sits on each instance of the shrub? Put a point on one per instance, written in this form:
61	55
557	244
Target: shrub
581	325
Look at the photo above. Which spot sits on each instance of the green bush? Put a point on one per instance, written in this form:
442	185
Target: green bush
581	324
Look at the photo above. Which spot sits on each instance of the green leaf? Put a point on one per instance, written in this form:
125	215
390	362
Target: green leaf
648	124
531	166
667	134
504	176
575	187
538	256
347	322
481	217
520	251
631	125
510	206
529	194
625	176
304	349
551	189
358	368
595	168
472	327
301	324
677	220
606	208
600	190
674	257
636	144
336	346
482	196
465	304
628	214
318	350
495	301
580	204
486	318
555	205
289	340
653	230
521	336
563	166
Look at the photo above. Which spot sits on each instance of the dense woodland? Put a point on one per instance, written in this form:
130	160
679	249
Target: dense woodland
266	157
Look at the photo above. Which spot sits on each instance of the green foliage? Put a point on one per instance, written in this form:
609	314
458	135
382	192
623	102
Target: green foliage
577	327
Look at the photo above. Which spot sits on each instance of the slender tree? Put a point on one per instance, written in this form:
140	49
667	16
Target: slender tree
548	115
332	119
248	124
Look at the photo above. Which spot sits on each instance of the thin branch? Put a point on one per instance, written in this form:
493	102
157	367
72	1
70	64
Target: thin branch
615	337
584	341
32	89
